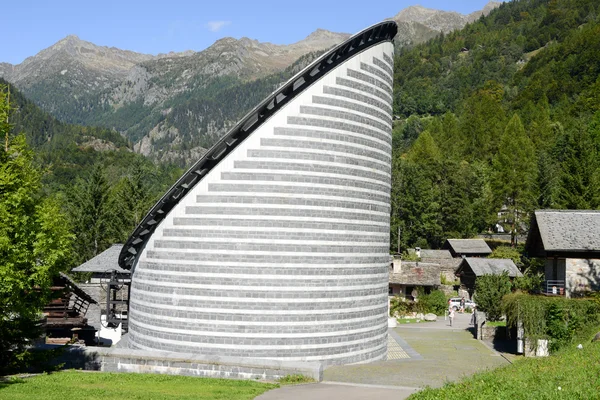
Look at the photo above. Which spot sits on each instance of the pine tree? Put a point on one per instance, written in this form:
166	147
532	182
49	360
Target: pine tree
481	122
415	206
93	215
134	196
514	174
580	168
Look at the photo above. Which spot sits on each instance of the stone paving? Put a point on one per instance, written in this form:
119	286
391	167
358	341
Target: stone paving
394	350
445	354
437	353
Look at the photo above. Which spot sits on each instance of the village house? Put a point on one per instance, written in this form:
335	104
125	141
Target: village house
407	276
467	248
569	242
472	268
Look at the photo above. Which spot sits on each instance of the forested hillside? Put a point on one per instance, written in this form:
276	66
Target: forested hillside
190	119
104	187
501	115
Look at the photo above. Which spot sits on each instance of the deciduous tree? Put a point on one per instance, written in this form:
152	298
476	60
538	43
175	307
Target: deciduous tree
34	246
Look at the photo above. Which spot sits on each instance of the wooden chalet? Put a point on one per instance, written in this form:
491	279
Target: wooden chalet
66	313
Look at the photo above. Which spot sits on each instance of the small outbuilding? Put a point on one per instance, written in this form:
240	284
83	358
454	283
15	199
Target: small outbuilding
467	247
472	268
103	264
569	242
107	279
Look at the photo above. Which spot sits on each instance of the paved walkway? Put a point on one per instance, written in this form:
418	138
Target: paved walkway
437	352
334	391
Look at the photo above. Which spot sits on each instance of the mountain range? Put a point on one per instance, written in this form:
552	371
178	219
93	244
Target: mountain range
173	106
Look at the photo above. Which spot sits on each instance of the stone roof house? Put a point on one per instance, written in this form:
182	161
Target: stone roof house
467	247
569	241
435	254
104	262
472	268
406	276
447	263
100	268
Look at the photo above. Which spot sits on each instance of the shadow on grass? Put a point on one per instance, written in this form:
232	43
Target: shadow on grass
6	382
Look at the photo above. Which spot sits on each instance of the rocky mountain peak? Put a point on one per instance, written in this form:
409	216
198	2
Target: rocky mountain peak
323	34
416	13
437	20
489	7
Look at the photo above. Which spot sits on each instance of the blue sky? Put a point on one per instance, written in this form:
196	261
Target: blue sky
153	27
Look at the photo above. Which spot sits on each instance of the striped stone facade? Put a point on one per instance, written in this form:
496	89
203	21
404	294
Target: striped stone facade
281	250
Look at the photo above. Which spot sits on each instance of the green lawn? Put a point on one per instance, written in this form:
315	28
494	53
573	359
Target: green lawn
69	385
570	374
495	323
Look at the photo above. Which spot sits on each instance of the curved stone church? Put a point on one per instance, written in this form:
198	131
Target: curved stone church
276	243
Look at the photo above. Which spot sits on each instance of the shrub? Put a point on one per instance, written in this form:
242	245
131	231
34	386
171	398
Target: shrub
410	256
398	307
445	281
556	318
530	282
434	302
489	290
507	252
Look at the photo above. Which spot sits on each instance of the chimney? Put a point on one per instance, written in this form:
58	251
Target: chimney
397	264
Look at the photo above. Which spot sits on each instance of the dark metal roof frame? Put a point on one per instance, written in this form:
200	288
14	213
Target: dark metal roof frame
384	31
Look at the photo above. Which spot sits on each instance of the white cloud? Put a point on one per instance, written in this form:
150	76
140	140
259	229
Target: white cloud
215	26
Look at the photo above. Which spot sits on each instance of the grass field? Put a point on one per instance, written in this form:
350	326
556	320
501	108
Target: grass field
570	374
69	385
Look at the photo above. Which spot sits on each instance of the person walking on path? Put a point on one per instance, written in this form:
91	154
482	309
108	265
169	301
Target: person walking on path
462	305
451	315
473	315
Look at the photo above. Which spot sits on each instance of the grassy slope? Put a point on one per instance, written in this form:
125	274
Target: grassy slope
81	385
576	372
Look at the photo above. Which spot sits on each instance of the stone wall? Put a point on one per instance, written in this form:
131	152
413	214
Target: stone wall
157	362
493	332
582	276
281	251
